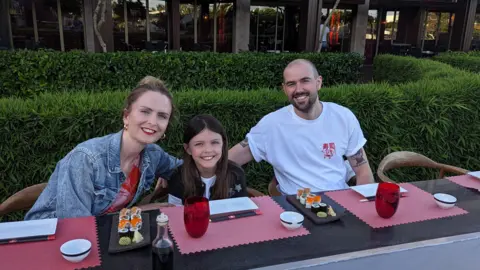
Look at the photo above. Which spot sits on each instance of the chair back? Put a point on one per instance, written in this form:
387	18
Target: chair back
22	200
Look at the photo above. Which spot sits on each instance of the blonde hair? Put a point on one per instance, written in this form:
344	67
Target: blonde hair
152	82
148	83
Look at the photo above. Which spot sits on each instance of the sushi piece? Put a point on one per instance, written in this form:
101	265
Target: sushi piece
323	207
299	193
315	208
124	229
135	212
124	214
136	222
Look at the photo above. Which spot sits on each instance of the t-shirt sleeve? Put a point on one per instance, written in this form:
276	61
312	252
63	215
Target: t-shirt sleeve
356	139
257	139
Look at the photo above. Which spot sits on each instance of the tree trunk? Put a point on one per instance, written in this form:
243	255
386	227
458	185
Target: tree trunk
325	24
102	4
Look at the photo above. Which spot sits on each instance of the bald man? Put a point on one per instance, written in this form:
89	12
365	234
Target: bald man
306	141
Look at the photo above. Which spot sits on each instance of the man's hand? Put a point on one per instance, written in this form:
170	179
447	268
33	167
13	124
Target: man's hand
240	153
361	167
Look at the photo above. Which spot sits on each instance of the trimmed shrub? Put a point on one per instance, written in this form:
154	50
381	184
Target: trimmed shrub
396	69
27	73
465	61
434	118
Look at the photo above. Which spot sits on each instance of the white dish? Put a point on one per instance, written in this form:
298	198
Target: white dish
27	228
291	220
475	174
444	201
76	250
233	205
370	190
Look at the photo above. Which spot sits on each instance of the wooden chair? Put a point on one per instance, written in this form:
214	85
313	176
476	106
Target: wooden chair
254	193
22	200
411	159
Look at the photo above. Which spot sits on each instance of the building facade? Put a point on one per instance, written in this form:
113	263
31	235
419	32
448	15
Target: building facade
363	26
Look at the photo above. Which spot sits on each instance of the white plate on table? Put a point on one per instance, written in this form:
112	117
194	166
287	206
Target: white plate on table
370	190
475	174
28	228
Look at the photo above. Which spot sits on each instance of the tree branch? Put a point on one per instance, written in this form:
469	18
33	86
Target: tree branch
97	25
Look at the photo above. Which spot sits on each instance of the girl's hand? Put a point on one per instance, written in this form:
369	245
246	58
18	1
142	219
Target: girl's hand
161	183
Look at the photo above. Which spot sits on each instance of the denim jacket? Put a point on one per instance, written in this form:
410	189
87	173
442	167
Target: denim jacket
87	180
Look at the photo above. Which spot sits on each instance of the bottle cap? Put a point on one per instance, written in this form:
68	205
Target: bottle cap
162	219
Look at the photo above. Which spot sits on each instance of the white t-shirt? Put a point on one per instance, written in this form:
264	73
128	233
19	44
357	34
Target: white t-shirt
307	153
327	30
208	184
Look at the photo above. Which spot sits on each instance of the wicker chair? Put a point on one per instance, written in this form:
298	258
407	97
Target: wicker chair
411	159
22	200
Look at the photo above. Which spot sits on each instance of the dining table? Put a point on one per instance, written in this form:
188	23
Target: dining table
348	239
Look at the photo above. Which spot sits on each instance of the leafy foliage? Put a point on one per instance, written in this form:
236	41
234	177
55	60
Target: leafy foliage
27	73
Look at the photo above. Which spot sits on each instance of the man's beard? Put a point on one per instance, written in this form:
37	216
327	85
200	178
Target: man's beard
306	107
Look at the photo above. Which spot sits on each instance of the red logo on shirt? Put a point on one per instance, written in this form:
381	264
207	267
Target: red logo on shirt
328	150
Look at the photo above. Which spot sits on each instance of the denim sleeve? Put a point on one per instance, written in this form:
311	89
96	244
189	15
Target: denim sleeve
75	187
166	165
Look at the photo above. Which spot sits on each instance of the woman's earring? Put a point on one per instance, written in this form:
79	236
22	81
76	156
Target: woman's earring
164	136
125	126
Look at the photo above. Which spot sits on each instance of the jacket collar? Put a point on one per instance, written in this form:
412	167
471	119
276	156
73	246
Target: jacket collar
113	154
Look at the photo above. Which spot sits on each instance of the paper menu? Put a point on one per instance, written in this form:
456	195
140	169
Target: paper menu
29	228
370	190
233	205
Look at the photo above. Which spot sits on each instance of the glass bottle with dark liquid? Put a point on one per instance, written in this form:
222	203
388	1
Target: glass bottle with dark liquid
162	246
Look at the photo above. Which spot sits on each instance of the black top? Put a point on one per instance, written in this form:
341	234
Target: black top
238	187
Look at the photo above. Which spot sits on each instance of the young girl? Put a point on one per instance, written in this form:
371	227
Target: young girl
105	174
206	170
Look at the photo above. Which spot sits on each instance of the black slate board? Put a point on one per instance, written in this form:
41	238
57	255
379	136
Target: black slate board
339	210
115	247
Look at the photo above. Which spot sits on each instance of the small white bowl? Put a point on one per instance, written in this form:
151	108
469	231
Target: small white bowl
291	220
76	250
444	201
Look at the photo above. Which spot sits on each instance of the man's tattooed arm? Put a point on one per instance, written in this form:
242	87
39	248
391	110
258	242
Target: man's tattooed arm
358	159
244	143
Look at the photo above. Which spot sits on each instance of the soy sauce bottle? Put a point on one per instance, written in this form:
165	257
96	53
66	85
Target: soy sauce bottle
162	246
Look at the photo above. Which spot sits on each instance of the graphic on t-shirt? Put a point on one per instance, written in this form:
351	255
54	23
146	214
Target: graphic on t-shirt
328	150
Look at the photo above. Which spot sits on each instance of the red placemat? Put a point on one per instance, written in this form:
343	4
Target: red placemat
242	231
418	205
466	181
46	254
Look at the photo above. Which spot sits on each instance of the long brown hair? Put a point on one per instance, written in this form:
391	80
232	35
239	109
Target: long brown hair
190	173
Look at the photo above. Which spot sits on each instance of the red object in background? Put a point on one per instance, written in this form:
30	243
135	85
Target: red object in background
196	216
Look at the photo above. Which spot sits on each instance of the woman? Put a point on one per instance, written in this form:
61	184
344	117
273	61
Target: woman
105	174
206	170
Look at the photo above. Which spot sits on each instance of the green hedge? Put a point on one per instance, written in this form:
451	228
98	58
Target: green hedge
436	118
396	69
26	73
466	61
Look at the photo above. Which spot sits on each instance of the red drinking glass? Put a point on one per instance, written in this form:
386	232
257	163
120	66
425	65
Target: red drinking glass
387	199
196	216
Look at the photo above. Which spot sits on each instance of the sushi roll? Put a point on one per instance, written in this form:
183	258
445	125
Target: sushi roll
323	207
315	208
136	222
124	214
135	212
124	229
